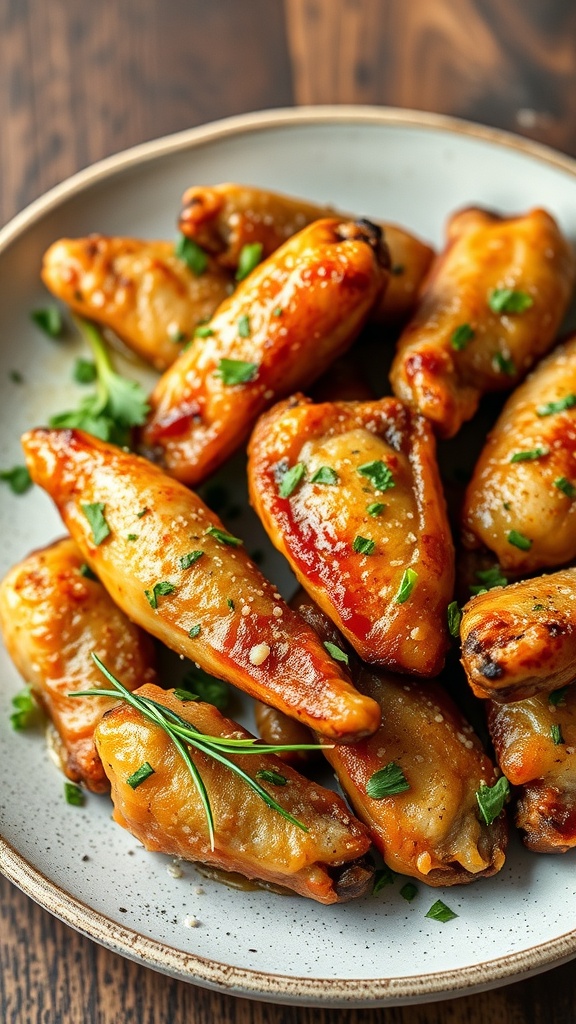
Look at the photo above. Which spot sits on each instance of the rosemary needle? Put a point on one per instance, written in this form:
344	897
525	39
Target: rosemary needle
183	735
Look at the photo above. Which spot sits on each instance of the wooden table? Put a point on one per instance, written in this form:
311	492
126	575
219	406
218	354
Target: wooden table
80	81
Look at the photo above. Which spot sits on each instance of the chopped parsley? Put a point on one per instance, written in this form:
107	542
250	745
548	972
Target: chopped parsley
378	473
73	794
336	653
290	479
230	604
176	334
508	300
461	337
140	775
187	250
203	331
159	590
49	320
375	508
187	560
223	537
363	545
195	631
382	877
208	689
489	578
565	486
185	695
94	513
244	329
440	912
131	536
18	479
518	540
142	512
407	584
530	455
84	371
561	405
387	781
491	799
504	364
278	311
557	696
25	710
454	619
269	775
556	734
86	571
325	475
236	371
409	891
250	256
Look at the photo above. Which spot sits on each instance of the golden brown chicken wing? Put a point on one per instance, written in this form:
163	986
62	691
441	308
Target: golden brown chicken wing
535	743
168	562
142	290
225	218
285	323
492	305
520	640
275	727
326	862
53	616
350	493
521	502
429	826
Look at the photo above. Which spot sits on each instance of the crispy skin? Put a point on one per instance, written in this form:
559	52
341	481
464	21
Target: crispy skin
432	830
315	527
298	676
520	640
324	280
52	618
165	813
484	252
523	496
545	771
224	218
141	290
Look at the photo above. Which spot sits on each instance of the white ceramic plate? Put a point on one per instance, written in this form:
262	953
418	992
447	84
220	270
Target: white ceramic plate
411	168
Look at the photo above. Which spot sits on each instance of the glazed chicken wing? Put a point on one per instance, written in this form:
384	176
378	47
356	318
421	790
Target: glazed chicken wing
225	218
285	323
520	640
53	616
492	305
535	743
350	493
168	562
326	862
141	290
520	501
431	830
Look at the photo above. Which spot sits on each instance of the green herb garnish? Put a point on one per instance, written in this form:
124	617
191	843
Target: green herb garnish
518	540
461	337
26	710
250	256
454	619
336	653
409	891
387	781
378	473
244	329
16	377
187	560
508	300
140	775
489	578
363	545
556	734
565	486
278	311
290	479
325	475
561	405
557	696
18	479
504	364
530	455
49	320
84	371
94	513
195	631
131	536
223	537
159	590
73	794
207	688
440	912
375	508
382	877
187	250
407	584
236	371
269	775
230	604
203	331
176	334
142	512
86	571
491	799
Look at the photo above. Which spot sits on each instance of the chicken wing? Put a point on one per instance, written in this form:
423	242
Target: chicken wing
225	218
53	616
520	501
168	562
285	323
492	305
141	290
535	743
520	640
326	862
429	829
350	493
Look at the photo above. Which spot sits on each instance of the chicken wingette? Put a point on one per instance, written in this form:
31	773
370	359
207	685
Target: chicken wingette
291	317
143	291
53	614
520	640
521	502
223	219
491	306
168	562
350	493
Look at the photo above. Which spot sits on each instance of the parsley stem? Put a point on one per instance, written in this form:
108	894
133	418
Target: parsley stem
104	367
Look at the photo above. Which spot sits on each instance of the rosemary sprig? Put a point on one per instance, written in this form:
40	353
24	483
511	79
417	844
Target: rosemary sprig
184	735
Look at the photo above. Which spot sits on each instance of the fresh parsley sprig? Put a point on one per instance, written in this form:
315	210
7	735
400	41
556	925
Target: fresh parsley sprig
184	735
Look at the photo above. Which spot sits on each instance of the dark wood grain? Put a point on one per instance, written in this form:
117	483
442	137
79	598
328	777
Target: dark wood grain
79	81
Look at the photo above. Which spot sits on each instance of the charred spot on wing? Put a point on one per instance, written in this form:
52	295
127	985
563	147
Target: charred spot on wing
554	629
364	230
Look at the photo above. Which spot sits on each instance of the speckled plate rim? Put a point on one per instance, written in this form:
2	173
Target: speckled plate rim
280	988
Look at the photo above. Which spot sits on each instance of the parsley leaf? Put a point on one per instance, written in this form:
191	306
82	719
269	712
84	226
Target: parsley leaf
140	775
440	912
207	688
159	590
508	300
94	513
187	560
26	710
290	479
73	794
504	364
491	799
557	696
363	545
387	781
556	734
49	320
269	775
378	473
565	486
244	329
375	508
407	584
454	619
489	578
530	455
325	475
223	537
409	891
250	256
236	371
187	250
461	337
518	540
84	371
561	405
18	479
383	876
336	653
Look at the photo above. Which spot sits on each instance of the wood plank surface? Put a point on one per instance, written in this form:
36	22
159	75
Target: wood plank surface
79	81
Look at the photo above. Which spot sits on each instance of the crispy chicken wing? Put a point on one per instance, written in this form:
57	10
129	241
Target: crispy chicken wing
492	305
142	290
225	218
364	525
53	616
432	830
168	562
285	323
326	863
520	501
520	640
535	743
